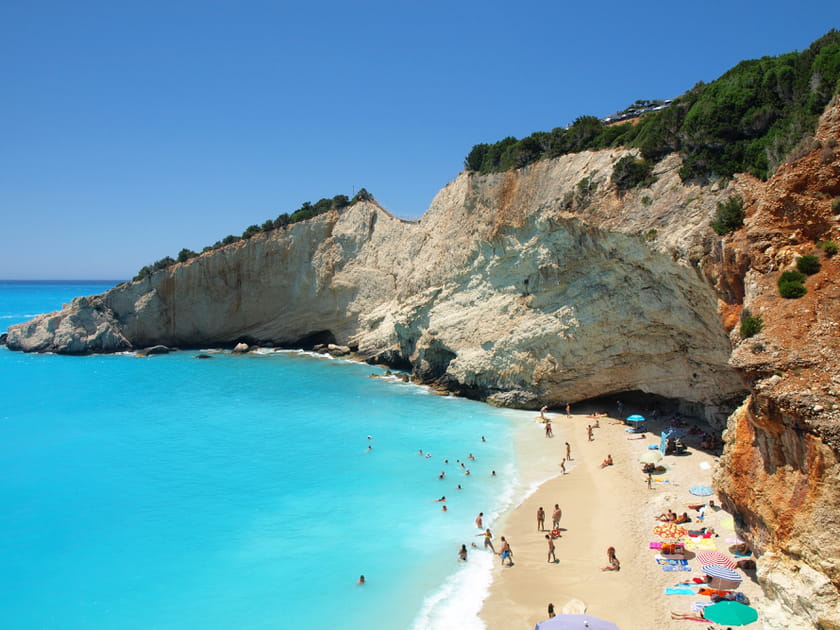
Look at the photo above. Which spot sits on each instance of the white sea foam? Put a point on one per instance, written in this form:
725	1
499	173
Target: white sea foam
457	602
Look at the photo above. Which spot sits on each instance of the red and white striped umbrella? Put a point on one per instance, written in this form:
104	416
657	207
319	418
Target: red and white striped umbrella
709	557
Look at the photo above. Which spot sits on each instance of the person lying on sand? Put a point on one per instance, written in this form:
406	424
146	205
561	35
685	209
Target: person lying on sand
667	517
683	518
698	616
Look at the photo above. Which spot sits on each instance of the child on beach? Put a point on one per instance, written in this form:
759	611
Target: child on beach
612	561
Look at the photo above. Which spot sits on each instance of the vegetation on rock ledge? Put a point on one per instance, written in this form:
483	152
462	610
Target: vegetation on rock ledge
747	121
306	211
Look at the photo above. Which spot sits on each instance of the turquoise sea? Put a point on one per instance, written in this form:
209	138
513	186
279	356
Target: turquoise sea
239	491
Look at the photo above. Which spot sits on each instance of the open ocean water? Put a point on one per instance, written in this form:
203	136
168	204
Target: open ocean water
171	492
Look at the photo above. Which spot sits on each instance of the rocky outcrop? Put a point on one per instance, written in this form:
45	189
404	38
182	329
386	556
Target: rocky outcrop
517	288
780	472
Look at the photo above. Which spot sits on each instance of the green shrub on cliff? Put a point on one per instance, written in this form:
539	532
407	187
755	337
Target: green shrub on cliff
730	215
809	264
632	173
751	324
792	284
829	247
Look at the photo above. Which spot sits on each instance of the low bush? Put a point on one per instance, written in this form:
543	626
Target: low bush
809	264
751	325
792	276
792	284
632	173
730	215
829	247
792	290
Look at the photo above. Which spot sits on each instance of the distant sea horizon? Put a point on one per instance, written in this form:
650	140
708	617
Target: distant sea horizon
250	490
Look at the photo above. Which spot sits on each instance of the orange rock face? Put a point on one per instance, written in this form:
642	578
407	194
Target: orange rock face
780	472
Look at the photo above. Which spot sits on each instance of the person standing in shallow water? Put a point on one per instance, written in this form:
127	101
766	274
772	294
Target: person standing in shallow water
487	539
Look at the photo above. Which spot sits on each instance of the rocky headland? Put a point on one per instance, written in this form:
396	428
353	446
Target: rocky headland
544	285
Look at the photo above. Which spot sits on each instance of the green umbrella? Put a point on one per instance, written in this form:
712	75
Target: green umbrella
729	613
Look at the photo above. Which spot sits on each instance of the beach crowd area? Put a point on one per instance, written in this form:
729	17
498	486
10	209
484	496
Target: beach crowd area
607	506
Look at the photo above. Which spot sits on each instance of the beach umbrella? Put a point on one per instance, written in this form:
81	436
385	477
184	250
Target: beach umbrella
673	432
708	557
575	622
635	418
670	530
723	578
701	491
729	613
651	457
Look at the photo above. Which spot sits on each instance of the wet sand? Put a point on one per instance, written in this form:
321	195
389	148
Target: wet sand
602	507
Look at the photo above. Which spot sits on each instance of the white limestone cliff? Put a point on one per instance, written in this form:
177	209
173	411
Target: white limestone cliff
518	288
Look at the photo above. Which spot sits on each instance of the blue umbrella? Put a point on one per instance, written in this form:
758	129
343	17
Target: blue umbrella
635	418
673	432
701	491
575	622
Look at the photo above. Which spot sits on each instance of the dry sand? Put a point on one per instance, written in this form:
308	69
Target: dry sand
602	507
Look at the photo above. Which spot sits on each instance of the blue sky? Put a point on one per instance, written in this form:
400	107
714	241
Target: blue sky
129	130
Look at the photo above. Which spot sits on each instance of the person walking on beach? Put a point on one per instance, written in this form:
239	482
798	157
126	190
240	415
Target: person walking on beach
589	432
551	556
506	553
568	409
487	539
650	481
563	466
555	516
478	521
540	520
550	610
548	431
568	452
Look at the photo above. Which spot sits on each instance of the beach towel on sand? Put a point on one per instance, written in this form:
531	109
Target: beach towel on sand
678	591
699	544
656	545
675	567
673	562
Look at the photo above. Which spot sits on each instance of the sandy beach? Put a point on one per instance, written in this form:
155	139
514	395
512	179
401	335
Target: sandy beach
602	507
